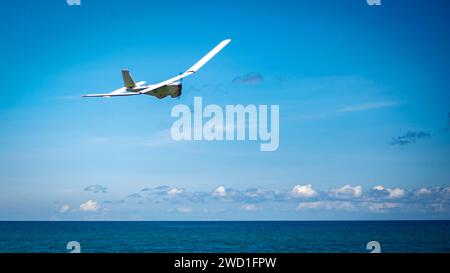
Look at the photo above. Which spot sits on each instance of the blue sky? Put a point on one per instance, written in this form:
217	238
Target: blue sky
363	94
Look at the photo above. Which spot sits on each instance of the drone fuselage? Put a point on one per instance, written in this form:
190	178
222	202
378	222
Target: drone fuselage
172	89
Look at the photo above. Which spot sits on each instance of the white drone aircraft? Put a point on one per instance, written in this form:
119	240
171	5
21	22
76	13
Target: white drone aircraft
170	87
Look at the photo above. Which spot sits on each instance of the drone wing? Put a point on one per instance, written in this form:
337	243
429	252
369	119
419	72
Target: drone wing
192	69
119	92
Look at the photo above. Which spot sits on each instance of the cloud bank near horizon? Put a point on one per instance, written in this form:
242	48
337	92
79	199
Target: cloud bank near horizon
299	199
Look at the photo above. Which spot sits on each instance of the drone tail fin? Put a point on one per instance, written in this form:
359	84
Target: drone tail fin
127	79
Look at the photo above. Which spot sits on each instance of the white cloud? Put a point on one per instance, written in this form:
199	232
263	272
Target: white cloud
381	207
396	193
328	205
249	207
348	191
175	191
220	191
378	188
391	193
254	193
184	210
89	206
64	209
423	191
306	191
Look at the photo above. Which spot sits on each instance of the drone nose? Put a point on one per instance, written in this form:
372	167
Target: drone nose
180	86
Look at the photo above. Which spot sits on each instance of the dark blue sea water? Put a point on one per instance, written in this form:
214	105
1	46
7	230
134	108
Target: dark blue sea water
345	236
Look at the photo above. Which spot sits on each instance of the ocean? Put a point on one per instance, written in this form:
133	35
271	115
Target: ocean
215	236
